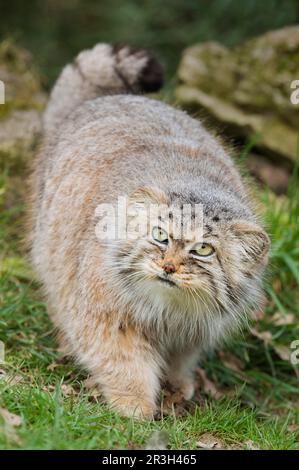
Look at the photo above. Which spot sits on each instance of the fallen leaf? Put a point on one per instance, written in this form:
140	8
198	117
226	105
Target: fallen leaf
157	441
11	434
265	336
10	422
14	379
173	403
293	427
251	445
52	366
283	352
208	385
280	319
48	388
10	418
68	390
231	362
208	441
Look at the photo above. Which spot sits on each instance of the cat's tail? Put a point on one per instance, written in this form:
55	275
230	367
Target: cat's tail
103	70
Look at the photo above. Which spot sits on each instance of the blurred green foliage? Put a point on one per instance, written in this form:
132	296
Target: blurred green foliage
56	30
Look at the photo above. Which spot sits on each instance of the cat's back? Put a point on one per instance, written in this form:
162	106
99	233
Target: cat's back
133	113
134	140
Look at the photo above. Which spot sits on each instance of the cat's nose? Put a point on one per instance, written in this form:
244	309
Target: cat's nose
169	268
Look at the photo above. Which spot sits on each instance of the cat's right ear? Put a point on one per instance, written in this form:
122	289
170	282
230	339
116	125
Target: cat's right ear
148	195
145	201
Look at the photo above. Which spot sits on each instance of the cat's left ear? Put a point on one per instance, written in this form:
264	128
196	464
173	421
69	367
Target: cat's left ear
254	243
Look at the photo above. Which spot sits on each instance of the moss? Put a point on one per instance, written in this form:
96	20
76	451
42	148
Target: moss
252	81
5	109
21	78
23	93
15	58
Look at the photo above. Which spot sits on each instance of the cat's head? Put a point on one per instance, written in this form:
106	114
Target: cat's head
213	265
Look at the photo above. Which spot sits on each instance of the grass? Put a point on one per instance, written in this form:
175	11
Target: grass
260	395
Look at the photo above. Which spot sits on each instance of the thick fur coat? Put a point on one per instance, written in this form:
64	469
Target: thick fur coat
137	312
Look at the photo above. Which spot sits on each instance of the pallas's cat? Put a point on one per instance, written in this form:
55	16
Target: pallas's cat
140	309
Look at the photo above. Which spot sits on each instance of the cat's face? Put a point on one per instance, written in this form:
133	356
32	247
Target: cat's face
215	264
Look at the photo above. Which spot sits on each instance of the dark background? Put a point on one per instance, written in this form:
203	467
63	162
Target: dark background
55	30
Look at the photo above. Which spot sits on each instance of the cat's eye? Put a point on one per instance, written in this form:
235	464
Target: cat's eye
160	235
203	249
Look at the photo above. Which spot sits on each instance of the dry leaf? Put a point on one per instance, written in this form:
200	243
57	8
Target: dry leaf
14	380
231	362
173	403
10	379
11	435
283	352
11	421
68	390
208	441
52	366
48	388
157	441
10	418
251	445
280	319
208	385
265	336
293	427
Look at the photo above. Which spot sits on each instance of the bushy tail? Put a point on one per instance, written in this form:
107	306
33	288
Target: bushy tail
103	70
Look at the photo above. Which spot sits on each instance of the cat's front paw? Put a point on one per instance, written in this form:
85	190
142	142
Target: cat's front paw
185	386
187	389
133	407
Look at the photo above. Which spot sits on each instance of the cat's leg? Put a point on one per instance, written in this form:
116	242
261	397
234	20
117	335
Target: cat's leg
127	370
181	372
102	70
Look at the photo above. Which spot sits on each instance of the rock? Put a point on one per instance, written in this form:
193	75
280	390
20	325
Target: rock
247	88
20	115
267	173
